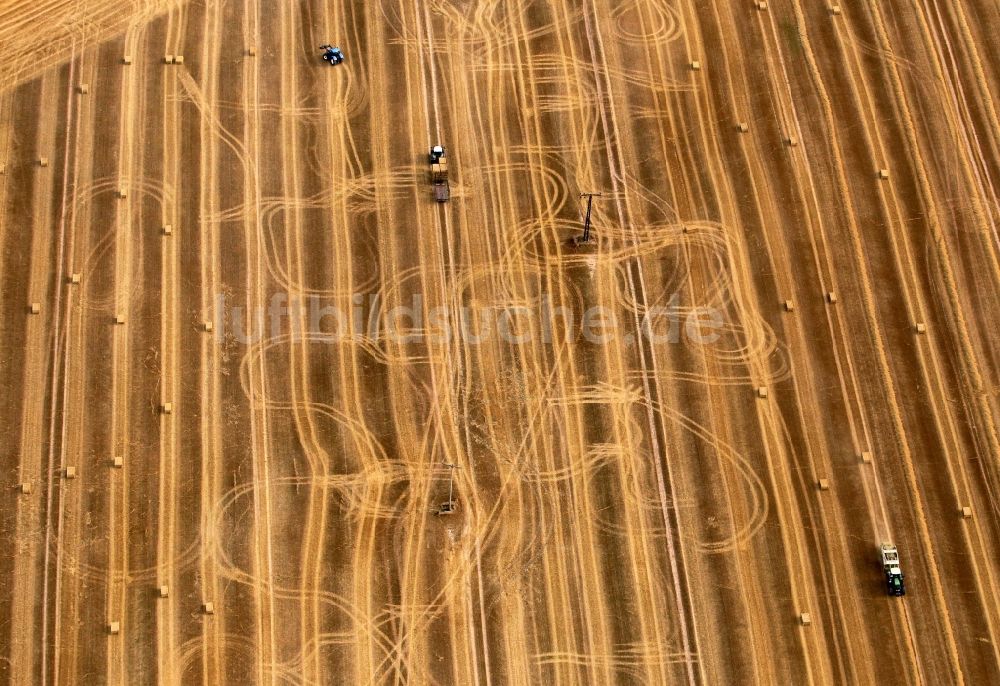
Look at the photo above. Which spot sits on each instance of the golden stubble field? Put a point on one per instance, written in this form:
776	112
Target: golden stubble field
246	356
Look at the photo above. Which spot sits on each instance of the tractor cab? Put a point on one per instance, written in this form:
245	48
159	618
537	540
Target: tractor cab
437	152
894	582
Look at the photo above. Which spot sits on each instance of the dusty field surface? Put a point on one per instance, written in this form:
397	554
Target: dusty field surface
224	443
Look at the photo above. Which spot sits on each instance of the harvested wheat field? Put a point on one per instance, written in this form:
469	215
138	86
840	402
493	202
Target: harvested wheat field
273	415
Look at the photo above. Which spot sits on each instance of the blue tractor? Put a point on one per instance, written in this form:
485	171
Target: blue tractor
332	55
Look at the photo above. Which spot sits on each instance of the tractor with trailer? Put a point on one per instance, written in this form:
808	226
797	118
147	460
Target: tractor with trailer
439	173
891	569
